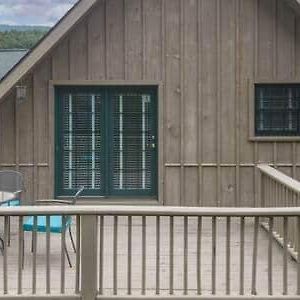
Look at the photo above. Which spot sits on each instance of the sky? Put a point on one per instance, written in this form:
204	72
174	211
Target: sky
33	12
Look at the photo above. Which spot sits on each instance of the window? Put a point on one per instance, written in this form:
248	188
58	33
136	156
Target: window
277	109
106	140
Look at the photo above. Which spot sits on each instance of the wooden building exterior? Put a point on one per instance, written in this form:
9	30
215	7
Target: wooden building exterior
203	56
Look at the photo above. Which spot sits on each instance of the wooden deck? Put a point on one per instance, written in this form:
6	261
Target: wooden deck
206	259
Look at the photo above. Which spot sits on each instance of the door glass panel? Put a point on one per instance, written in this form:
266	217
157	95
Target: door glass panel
133	141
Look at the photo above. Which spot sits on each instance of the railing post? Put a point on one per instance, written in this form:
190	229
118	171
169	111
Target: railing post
89	226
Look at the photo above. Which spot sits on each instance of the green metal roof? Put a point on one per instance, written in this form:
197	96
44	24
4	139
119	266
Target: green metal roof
8	58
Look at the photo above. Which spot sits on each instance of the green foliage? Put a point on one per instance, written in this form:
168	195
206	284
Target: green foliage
20	39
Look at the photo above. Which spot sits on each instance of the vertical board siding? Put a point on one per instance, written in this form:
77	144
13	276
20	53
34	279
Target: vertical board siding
78	52
41	78
96	42
24	126
152	39
228	76
134	40
246	50
205	53
41	138
8	130
172	83
115	36
60	61
208	80
190	78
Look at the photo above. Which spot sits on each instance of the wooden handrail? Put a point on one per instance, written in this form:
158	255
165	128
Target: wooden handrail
280	177
148	211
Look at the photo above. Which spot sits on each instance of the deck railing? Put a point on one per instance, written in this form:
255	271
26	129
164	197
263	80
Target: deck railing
280	190
153	252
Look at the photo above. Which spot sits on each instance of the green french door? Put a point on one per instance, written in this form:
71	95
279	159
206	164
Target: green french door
106	140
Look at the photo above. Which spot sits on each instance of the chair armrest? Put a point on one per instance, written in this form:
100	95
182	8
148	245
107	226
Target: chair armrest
18	192
54	201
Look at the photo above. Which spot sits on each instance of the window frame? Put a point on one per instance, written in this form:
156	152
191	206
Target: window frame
251	112
55	87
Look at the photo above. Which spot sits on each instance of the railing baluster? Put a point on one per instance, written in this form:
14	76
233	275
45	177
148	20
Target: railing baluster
254	257
199	236
48	255
129	256
228	225
263	190
5	239
213	262
77	274
270	256
34	248
185	255
157	255
298	257
242	255
115	256
101	244
20	254
285	255
63	252
171	256
143	255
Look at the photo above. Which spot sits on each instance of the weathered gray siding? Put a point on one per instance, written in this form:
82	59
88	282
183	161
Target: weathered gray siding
205	53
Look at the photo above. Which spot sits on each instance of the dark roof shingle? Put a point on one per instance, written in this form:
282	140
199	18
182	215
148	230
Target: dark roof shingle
8	58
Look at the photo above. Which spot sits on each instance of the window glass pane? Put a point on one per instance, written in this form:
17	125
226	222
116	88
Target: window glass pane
277	109
82	141
133	141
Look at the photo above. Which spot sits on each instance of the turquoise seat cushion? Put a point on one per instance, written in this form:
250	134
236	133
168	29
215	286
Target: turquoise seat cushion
55	224
14	202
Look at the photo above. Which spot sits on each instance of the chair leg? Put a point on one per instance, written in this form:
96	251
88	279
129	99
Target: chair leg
32	241
72	240
8	235
2	246
23	251
67	254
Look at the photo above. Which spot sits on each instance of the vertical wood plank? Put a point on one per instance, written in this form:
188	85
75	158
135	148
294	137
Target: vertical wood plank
134	36
172	81
154	58
208	79
228	81
61	61
115	36
78	53
96	42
